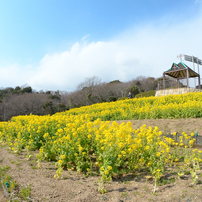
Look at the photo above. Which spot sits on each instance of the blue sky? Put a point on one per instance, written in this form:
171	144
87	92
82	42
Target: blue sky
56	45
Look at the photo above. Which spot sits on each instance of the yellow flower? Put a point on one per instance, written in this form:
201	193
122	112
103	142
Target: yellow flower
158	154
121	145
89	136
46	135
149	163
156	128
106	172
80	148
63	156
60	161
146	148
109	168
141	160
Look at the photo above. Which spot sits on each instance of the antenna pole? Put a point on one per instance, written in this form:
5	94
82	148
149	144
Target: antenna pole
194	70
180	56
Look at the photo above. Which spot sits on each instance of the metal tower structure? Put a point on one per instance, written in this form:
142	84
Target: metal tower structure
192	59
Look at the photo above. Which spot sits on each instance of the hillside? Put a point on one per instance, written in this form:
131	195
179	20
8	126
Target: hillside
76	187
95	153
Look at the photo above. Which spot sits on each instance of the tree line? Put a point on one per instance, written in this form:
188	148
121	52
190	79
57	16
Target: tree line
24	100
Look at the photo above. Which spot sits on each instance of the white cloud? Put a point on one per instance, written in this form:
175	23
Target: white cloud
85	37
147	51
15	75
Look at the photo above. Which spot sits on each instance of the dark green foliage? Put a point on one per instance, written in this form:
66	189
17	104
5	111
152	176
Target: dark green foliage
111	99
6	91
61	107
48	92
54	97
26	90
49	107
134	90
115	81
17	88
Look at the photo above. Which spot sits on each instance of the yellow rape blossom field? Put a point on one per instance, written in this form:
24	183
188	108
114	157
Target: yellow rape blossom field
98	143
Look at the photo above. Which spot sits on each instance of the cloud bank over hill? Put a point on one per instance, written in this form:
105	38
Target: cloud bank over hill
147	50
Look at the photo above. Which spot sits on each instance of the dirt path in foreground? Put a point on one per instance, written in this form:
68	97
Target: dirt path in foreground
75	187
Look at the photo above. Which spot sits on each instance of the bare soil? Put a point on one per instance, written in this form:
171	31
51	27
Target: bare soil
77	188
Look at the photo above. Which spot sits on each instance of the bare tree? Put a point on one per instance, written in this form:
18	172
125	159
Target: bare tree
89	83
23	104
86	91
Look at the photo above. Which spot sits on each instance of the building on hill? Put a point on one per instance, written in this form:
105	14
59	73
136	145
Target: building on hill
179	71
